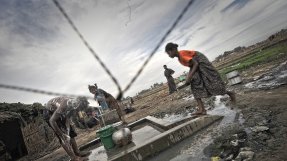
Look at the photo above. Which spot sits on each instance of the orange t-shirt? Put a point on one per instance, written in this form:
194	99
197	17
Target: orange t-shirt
185	56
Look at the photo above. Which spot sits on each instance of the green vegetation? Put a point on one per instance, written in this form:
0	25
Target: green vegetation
269	54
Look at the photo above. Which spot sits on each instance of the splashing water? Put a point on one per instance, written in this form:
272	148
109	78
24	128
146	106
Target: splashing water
192	147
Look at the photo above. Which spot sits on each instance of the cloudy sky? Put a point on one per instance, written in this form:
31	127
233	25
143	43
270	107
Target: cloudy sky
39	49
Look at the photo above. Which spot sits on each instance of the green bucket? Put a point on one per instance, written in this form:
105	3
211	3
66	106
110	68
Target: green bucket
182	78
105	134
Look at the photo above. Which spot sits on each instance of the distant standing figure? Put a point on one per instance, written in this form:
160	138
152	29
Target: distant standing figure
131	100
203	78
58	113
170	81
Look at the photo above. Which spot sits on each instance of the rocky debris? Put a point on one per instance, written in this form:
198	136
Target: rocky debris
266	128
231	148
259	128
272	79
245	154
228	146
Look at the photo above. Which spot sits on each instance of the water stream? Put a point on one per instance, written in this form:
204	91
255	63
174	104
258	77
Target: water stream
192	147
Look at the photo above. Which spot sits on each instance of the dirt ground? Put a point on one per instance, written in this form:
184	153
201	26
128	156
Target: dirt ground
263	112
266	109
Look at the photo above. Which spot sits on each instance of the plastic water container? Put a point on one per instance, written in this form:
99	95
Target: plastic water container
105	134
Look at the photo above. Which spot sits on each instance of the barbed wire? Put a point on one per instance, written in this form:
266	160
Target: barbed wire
40	91
158	45
121	92
61	9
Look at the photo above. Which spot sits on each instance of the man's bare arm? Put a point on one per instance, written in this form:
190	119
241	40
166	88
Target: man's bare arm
68	124
193	64
54	125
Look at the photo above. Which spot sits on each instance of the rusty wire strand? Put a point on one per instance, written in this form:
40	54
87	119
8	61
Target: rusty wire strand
40	91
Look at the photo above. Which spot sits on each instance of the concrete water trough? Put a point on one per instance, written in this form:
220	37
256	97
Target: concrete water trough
150	136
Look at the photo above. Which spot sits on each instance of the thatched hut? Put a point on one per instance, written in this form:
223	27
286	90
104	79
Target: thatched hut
23	130
11	135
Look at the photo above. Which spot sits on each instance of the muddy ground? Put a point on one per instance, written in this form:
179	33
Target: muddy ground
260	126
258	131
265	118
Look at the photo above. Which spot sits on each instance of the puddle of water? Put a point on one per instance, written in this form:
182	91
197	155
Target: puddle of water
221	109
98	154
188	98
186	157
190	149
175	117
